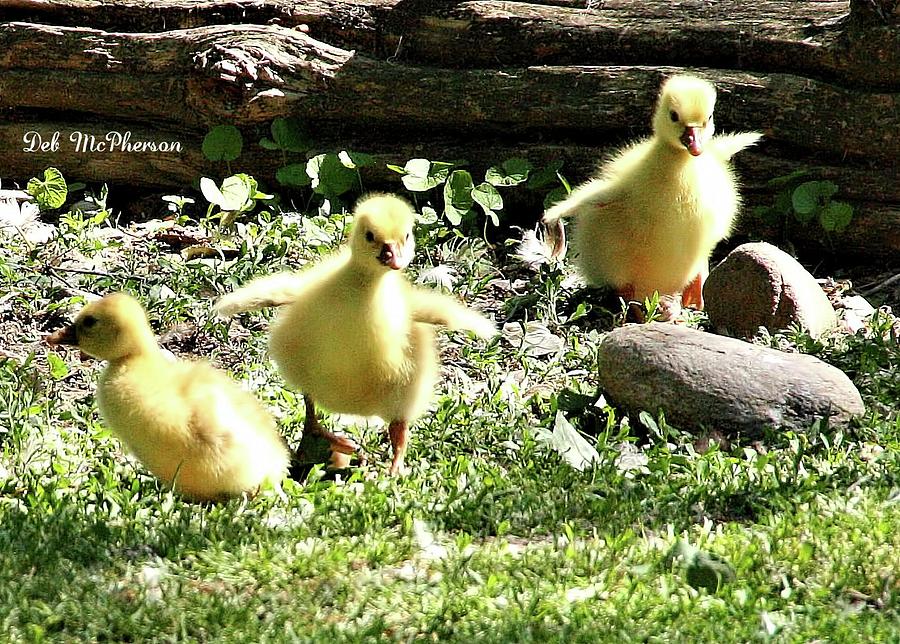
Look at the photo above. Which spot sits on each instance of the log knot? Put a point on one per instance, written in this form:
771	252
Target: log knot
247	63
264	54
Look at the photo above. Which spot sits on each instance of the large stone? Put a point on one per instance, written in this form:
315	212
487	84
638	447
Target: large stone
705	382
760	285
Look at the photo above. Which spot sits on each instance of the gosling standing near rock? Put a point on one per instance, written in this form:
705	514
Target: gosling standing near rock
650	219
355	336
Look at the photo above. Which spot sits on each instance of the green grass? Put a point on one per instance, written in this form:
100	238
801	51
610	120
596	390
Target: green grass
493	537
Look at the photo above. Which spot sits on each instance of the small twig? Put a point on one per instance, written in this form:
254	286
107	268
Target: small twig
881	286
83	271
8	355
21	235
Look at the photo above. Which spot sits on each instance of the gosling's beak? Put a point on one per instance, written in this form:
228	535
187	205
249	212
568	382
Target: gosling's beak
393	257
692	140
66	335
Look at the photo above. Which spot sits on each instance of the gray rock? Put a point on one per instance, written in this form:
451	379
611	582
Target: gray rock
705	382
761	285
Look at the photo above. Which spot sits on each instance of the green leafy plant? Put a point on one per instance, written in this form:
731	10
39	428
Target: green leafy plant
806	200
550	179
331	176
813	200
458	198
511	172
176	205
51	191
223	143
238	194
460	193
288	135
90	211
421	175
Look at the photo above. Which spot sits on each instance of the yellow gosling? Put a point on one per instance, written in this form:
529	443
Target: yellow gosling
355	336
189	424
651	218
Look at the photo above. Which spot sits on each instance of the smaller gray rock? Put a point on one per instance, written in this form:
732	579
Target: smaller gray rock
705	382
760	285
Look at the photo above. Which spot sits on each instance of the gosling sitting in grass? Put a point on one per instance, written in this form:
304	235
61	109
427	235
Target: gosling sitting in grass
189	424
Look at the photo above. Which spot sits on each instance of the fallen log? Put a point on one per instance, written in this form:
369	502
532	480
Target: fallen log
480	80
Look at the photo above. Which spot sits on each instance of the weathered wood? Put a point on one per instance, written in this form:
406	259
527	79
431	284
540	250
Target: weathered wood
875	11
874	234
251	74
476	79
814	37
144	168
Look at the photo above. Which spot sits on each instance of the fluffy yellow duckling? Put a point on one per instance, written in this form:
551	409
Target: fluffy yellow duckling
189	424
650	219
356	337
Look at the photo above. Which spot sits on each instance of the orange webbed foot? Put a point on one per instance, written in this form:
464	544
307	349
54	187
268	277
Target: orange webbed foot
342	447
398	431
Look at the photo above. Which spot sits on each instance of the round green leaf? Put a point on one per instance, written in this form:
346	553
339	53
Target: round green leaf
355	160
828	189
329	176
293	175
836	216
289	134
555	196
546	176
211	191
458	190
223	143
510	173
454	215
418	167
268	144
486	196
809	196
51	192
805	198
422	174
783	203
237	191
427	217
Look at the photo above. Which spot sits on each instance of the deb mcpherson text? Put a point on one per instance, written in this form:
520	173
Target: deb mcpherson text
112	141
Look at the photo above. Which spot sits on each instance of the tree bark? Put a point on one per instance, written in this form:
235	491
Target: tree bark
480	80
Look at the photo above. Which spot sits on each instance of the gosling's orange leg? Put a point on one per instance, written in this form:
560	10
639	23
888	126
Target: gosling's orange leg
692	295
312	426
398	430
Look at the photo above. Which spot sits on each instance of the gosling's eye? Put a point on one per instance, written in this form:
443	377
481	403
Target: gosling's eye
408	236
674	116
88	321
370	236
